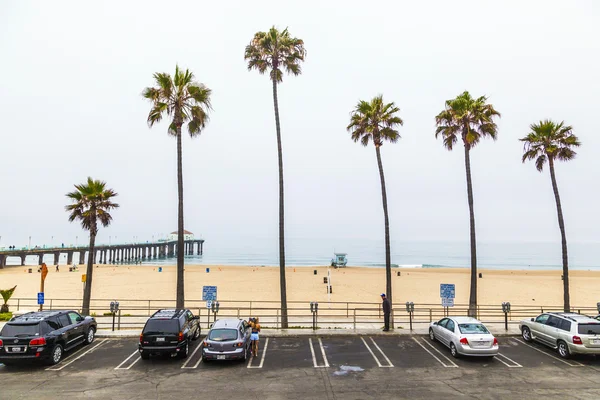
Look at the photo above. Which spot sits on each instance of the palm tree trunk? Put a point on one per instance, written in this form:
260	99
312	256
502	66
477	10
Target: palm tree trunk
87	291
284	311
388	262
561	224
473	294
180	300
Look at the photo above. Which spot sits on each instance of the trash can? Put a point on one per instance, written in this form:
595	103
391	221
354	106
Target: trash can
315	271
159	269
324	279
31	270
207	270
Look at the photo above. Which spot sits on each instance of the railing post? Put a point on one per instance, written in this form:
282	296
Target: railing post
51	304
347	309
430	315
277	323
355	319
148	307
18	304
238	314
119	322
250	307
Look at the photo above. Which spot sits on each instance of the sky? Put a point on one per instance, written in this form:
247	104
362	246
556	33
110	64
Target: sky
72	74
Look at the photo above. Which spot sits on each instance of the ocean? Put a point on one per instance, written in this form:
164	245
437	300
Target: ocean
371	253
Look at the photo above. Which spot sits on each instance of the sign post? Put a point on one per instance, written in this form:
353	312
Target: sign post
209	294
44	272
447	293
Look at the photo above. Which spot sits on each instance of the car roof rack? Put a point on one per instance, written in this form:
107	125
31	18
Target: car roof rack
564	315
170	313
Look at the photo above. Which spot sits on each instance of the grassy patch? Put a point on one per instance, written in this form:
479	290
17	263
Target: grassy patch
5	316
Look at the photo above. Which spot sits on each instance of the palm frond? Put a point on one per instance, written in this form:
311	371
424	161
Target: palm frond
549	140
91	202
374	121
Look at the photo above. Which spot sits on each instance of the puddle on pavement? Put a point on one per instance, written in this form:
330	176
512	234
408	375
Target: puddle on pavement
345	369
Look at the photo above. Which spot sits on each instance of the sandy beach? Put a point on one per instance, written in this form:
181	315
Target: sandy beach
354	284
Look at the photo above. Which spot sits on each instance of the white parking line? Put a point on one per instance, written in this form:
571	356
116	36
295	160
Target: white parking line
373	354
574	364
58	367
312	351
451	365
127	359
191	356
515	364
262	359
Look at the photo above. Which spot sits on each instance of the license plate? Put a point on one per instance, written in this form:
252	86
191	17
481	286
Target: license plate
160	339
595	341
16	350
220	357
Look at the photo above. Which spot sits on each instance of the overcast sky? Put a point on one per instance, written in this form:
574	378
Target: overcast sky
70	107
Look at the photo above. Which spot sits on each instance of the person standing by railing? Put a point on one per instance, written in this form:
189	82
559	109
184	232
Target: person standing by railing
254	335
386	312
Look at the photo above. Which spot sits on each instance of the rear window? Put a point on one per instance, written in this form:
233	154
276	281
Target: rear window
162	326
472	329
223	335
15	330
589	329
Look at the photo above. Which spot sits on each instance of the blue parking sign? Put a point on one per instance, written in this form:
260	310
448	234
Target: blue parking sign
41	298
447	290
209	293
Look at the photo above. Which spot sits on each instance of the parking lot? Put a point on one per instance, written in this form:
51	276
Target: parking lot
310	367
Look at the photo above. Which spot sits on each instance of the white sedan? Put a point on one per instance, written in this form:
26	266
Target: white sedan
464	336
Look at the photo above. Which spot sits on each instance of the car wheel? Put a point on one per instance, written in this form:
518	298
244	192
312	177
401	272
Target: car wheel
56	354
145	355
197	334
185	351
563	350
431	335
526	334
453	351
90	336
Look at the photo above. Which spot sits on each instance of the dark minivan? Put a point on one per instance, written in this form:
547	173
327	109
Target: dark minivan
169	332
44	336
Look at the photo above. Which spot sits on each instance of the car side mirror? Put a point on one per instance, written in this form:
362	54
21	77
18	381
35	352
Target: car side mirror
210	326
532	319
435	323
79	319
196	317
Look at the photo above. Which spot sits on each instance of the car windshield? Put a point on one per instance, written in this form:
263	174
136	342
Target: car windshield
589	329
16	330
161	326
472	329
222	335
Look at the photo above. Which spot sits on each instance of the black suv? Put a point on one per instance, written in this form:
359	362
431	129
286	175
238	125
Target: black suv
44	335
169	332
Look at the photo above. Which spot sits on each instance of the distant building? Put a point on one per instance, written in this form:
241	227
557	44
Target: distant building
187	235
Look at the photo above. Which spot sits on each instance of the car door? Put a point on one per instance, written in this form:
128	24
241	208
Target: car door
76	328
440	330
185	326
450	328
64	332
536	326
550	330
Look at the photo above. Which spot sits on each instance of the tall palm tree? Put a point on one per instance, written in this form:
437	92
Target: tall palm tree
276	51
377	121
183	100
91	203
471	120
550	141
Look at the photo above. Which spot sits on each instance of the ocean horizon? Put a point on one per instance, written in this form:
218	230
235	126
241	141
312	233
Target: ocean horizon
371	253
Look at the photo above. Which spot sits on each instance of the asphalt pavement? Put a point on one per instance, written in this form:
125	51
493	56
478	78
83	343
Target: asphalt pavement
310	367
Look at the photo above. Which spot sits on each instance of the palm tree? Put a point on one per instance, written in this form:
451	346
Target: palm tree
471	120
549	141
184	100
376	121
91	203
276	51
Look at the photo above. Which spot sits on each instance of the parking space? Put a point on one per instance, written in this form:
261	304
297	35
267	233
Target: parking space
331	353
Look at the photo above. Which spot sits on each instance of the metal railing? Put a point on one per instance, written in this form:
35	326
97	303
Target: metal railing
133	314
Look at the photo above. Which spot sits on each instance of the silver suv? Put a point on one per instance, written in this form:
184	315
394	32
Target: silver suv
569	333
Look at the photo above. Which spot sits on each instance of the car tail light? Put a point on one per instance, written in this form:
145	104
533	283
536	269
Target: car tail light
1	343
239	344
205	343
38	342
577	340
180	337
141	337
495	342
464	341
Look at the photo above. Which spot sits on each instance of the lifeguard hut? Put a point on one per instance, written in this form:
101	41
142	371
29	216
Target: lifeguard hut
339	260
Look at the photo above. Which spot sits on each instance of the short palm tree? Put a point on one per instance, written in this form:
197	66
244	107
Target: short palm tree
275	52
547	142
376	121
470	120
183	100
91	204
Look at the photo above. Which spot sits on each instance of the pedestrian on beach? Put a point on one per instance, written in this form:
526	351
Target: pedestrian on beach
386	312
254	336
56	267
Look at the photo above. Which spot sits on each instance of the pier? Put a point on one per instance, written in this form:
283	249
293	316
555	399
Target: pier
105	254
